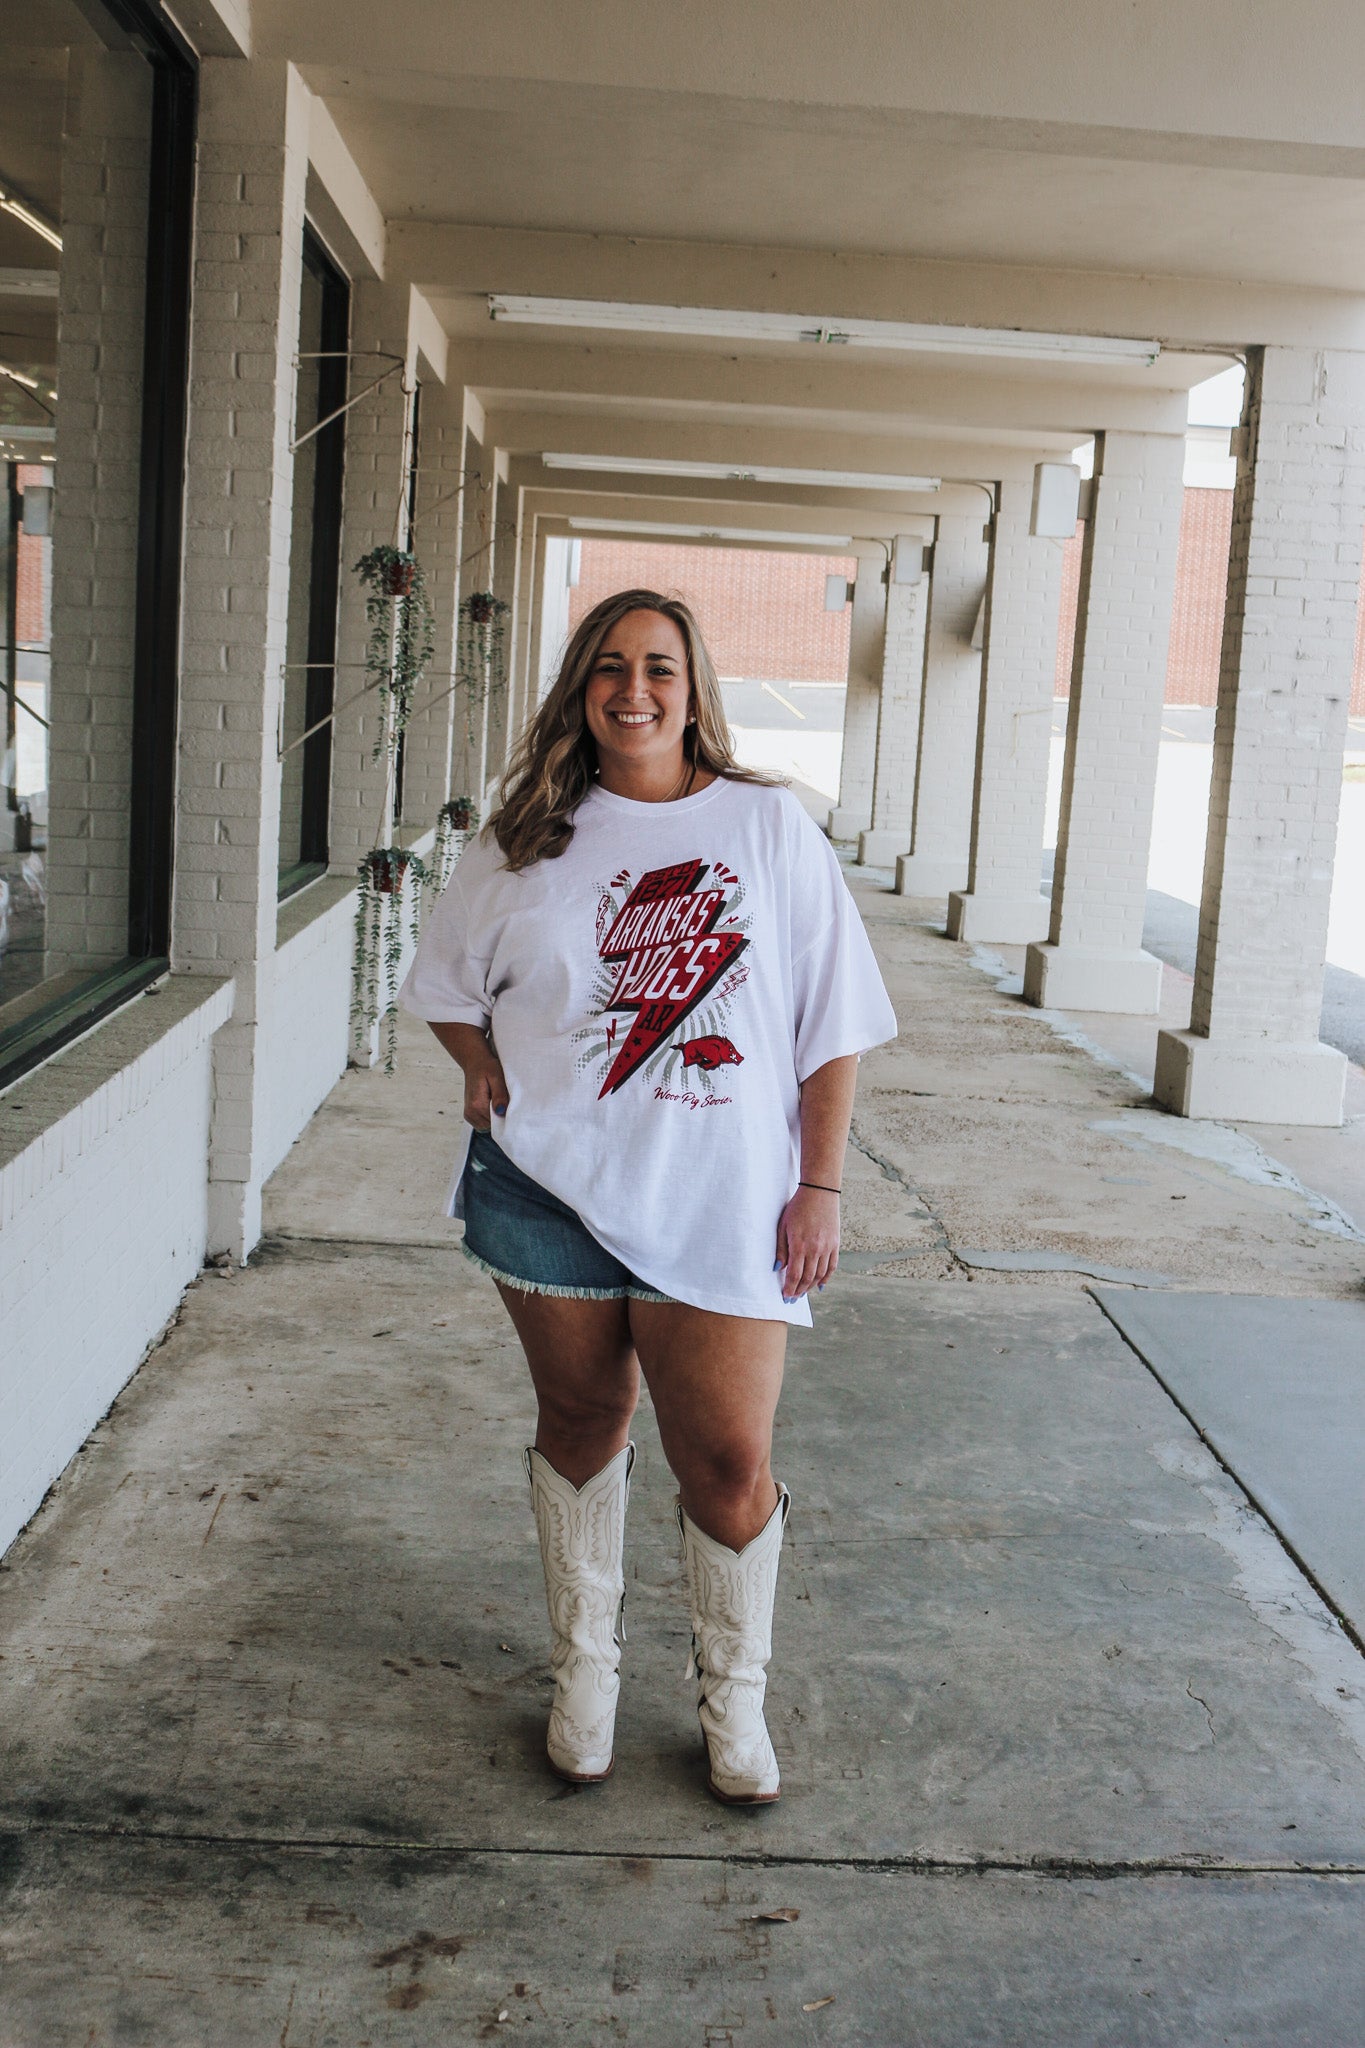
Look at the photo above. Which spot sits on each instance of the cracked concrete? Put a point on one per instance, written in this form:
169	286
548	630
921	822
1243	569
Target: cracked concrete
1072	1751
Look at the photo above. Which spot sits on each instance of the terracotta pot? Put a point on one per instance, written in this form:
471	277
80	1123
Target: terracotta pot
388	879
398	579
480	608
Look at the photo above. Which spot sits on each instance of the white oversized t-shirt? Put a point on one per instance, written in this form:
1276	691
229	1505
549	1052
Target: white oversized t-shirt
656	995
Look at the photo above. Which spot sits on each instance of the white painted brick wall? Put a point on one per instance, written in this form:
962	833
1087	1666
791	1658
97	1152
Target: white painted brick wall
303	1044
103	1224
893	796
253	136
941	835
1283	697
858	766
1023	599
502	710
100	314
429	742
476	573
898	716
1118	680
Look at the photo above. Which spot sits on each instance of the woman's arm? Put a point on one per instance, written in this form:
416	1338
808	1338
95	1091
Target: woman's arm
808	1234
485	1088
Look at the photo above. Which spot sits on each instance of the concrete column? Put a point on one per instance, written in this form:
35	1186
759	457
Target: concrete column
428	742
552	609
1252	1050
1093	958
374	512
893	793
852	815
523	690
941	831
1002	902
506	561
253	169
476	544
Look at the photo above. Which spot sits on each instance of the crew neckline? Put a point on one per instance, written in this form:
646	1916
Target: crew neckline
635	807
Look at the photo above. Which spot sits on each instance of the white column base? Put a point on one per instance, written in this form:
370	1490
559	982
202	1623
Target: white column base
1119	978
881	849
1249	1080
845	823
920	874
998	920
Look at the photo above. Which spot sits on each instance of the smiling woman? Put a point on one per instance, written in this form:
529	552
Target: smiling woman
642	932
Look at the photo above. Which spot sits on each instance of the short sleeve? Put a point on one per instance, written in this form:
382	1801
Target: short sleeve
447	982
840	1004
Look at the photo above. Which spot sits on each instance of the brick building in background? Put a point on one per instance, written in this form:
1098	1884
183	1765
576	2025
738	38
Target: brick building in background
763	613
764	618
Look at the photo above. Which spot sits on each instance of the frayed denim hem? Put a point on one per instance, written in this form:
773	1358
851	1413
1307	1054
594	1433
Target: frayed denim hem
562	1293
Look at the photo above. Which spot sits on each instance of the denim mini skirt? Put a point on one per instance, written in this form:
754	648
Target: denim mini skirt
521	1234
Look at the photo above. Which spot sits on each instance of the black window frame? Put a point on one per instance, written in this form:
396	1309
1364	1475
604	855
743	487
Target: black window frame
156	637
324	567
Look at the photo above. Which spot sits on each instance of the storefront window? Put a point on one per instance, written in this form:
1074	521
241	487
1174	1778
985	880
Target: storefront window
95	189
314	566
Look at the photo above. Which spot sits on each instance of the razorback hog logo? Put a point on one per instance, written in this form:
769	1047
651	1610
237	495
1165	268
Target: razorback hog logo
710	1052
670	955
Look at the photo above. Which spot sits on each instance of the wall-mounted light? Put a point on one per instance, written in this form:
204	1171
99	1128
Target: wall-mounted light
1056	500
804	330
907	559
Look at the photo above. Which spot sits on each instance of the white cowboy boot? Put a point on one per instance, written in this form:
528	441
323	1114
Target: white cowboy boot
731	1596
581	1530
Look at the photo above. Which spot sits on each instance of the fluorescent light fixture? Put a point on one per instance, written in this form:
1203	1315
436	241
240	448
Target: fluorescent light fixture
818	543
917	337
18	376
743	473
11	204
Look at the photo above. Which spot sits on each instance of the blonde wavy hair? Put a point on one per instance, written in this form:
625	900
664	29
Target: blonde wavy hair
554	764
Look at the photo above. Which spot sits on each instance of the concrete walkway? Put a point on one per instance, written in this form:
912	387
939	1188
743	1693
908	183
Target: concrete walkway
1072	1752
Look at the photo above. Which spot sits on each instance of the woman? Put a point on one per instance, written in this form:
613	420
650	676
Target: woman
657	986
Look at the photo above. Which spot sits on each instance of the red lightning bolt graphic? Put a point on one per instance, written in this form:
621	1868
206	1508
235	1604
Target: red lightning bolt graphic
671	957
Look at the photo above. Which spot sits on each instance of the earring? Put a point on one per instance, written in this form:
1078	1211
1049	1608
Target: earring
692	720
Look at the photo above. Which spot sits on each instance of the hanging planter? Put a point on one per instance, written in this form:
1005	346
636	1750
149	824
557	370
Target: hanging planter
456	823
380	931
402	636
481	652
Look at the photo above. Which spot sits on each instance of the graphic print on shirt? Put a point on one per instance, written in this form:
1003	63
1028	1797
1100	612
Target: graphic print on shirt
670	947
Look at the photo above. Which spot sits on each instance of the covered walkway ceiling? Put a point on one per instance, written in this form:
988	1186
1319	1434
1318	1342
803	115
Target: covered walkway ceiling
1038	166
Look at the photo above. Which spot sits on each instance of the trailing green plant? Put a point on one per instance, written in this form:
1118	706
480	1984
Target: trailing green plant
481	652
380	929
456	824
402	633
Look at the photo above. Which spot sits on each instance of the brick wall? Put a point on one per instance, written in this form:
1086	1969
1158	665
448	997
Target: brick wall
762	614
31	578
1197	618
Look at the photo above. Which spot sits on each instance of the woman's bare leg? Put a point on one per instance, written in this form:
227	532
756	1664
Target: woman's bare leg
714	1381
585	1373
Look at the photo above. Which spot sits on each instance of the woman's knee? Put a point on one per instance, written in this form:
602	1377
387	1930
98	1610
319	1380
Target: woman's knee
578	1413
732	1469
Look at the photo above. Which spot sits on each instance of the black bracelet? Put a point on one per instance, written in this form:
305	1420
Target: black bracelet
820	1185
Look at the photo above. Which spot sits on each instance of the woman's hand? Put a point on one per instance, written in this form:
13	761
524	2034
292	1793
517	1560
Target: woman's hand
485	1090
485	1085
807	1242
